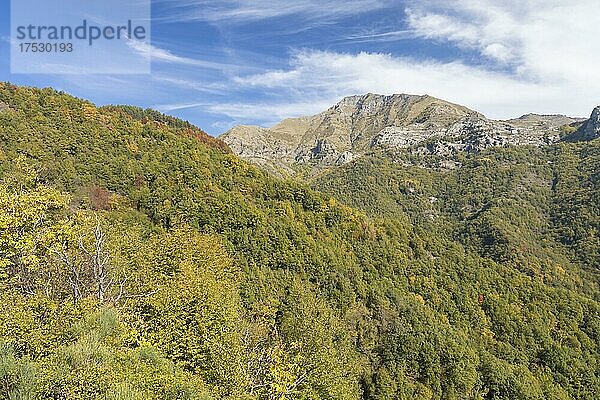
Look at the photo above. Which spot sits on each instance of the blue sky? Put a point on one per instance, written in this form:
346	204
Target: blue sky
222	63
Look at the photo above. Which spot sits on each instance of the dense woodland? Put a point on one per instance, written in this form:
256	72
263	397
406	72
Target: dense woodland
140	259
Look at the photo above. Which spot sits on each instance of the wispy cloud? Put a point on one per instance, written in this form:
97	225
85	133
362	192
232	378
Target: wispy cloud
270	112
378	36
236	11
178	106
217	88
318	75
157	54
266	112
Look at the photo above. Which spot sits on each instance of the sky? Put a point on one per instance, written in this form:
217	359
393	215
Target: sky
229	62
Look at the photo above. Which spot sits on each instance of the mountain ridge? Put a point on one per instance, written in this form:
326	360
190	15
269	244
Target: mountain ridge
357	124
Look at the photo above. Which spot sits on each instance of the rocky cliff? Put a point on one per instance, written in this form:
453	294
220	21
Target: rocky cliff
591	129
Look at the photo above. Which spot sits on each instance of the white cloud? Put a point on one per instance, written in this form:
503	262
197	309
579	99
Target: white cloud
552	40
439	26
499	52
315	76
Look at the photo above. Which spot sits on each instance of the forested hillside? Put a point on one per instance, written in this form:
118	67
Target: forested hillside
140	259
536	208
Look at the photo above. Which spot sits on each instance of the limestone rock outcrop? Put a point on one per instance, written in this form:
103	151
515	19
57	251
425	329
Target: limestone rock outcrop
591	129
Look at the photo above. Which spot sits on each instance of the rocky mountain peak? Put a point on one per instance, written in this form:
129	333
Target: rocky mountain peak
399	109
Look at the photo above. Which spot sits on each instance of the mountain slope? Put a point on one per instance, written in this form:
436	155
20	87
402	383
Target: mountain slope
359	124
212	279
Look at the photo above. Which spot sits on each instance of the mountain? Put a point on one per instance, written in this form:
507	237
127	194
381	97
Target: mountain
142	259
359	124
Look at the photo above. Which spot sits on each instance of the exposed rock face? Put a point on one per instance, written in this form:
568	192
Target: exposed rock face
591	129
4	107
423	124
